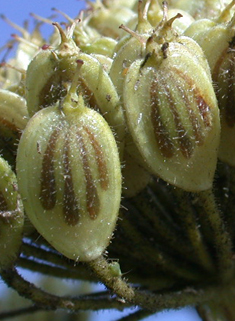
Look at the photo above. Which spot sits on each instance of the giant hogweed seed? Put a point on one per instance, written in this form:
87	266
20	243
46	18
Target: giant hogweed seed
13	119
88	39
217	41
57	68
11	216
101	95
127	50
172	114
130	48
69	177
198	9
107	19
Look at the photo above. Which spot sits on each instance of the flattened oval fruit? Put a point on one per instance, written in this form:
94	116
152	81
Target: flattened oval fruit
70	179
173	117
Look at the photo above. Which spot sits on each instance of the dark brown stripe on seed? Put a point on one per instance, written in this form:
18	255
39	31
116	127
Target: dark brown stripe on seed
3	203
99	155
185	143
197	128
70	204
48	188
10	126
92	199
163	140
203	107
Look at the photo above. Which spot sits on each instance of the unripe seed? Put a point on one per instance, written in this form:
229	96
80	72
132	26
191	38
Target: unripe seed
57	69
69	176
49	72
11	216
173	117
217	41
130	48
107	19
13	119
88	39
198	9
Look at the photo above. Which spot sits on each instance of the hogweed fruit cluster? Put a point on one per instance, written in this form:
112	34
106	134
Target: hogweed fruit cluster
117	154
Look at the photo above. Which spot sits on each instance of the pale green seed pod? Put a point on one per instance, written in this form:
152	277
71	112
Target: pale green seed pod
101	95
136	48
69	177
87	38
122	3
11	216
105	61
130	48
13	119
103	46
198	9
133	47
197	27
50	72
57	69
216	38
172	115
155	15
108	19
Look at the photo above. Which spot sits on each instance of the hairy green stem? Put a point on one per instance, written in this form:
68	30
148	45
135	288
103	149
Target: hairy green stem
190	226
146	300
52	302
219	234
159	258
192	251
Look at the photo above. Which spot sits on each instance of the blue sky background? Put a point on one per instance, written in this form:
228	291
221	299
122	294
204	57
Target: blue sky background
18	11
